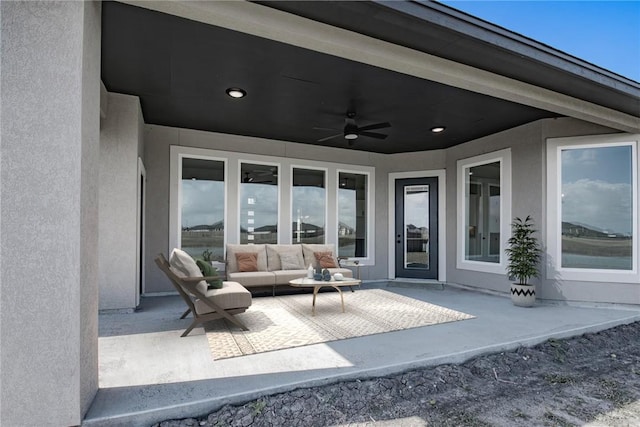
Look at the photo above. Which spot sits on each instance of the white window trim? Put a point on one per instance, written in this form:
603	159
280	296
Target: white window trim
231	195
371	217
554	203
326	194
442	218
504	157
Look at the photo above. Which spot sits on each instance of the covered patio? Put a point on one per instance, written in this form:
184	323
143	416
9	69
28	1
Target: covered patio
149	374
105	105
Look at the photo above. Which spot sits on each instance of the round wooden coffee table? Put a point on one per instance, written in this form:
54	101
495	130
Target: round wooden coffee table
317	284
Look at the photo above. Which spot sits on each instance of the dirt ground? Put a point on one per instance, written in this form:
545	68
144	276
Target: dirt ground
591	380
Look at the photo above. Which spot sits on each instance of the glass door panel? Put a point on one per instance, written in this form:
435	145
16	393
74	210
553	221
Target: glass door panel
416	243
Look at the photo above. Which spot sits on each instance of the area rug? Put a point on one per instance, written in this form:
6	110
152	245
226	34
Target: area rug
285	321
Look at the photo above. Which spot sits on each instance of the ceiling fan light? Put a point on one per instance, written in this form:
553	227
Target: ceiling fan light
350	135
236	92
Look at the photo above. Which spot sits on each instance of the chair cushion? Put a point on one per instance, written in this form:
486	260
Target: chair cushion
274	253
233	249
231	295
185	266
309	253
247	261
208	270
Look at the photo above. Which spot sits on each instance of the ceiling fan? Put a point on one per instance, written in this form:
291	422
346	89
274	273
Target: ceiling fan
352	131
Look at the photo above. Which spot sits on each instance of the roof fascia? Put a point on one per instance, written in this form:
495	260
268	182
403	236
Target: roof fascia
265	22
471	26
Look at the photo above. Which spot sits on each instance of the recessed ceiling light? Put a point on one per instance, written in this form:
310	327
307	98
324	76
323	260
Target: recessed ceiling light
438	129
236	92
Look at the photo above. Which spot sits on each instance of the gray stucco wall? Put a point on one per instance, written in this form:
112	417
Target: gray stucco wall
48	219
528	156
158	140
120	144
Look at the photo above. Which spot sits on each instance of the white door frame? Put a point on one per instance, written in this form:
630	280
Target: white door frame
140	230
442	223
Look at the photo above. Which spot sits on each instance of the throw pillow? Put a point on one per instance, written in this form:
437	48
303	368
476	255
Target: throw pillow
290	261
247	261
209	270
325	259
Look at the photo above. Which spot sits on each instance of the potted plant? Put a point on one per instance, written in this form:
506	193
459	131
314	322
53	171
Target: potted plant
523	258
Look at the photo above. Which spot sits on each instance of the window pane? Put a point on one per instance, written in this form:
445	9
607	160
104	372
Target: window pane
597	208
259	204
352	215
416	220
308	202
482	212
202	190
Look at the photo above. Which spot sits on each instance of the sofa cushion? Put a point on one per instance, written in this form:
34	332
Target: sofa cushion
230	295
290	261
274	252
309	253
325	259
184	266
233	249
247	261
253	279
284	276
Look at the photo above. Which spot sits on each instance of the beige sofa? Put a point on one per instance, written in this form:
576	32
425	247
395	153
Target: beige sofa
276	265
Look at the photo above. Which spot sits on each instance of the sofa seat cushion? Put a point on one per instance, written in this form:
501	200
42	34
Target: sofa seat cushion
253	278
231	295
259	250
284	276
275	252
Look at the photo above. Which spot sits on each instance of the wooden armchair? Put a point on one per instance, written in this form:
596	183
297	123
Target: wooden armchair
207	304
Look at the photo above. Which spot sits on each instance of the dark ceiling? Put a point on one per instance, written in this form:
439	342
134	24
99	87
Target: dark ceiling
180	69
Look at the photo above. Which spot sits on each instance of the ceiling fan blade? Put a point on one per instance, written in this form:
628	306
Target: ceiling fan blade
330	137
375	126
321	128
373	135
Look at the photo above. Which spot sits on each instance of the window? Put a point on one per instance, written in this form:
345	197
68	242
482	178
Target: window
308	202
250	198
484	200
202	210
258	203
352	214
592	191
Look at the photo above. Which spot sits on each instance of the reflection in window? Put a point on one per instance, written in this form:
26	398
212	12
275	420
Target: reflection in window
597	207
203	208
482	212
352	214
416	220
308	206
258	203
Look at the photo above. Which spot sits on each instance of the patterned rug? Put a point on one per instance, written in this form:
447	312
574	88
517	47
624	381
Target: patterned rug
285	321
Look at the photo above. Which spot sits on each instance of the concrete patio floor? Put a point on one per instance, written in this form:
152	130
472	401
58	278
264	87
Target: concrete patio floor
149	374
